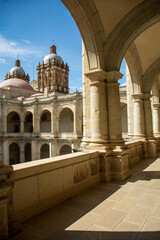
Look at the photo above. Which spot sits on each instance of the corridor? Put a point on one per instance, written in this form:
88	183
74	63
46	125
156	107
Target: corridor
116	210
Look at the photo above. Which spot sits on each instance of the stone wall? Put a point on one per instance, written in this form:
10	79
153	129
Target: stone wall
42	184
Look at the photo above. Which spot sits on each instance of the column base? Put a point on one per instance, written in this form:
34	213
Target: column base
120	164
149	149
106	166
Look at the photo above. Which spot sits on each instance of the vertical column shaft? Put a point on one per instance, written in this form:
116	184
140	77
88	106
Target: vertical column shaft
156	119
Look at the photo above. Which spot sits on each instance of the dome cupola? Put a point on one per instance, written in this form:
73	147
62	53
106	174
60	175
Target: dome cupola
53	55
17	72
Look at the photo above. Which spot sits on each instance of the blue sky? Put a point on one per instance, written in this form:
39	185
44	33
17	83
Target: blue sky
27	28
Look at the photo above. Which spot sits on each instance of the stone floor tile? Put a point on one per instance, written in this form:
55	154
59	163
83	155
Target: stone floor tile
127	227
93	235
25	235
111	219
122	236
83	223
117	196
148	200
125	204
156	211
137	193
138	215
104	207
64	235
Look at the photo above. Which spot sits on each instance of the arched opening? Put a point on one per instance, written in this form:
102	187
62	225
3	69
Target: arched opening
14	153
66	149
45	151
45	122
13	122
66	121
28	122
27	152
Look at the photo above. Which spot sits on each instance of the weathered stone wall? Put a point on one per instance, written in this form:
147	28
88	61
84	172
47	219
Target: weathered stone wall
42	184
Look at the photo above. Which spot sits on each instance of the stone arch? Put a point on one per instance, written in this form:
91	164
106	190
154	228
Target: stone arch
89	24
14	153
45	121
65	149
28	152
44	152
13	122
66	120
135	68
150	76
28	122
127	30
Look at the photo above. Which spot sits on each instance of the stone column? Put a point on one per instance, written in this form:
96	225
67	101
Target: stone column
34	150
139	127
36	121
22	157
114	108
75	117
99	123
22	126
149	142
55	120
156	119
148	115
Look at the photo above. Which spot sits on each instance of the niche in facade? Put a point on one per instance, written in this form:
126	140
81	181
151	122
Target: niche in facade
45	151
27	152
28	123
66	121
13	122
66	149
45	122
14	154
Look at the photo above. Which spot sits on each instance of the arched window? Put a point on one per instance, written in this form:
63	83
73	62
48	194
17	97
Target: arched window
28	123
27	152
66	149
45	151
13	122
66	121
45	122
14	153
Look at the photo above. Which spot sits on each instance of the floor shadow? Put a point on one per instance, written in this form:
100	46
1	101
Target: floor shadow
55	223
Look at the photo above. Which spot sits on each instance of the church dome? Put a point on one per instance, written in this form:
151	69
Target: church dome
17	69
16	82
52	55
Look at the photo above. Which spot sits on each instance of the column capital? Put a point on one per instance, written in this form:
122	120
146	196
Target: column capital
103	76
141	96
156	105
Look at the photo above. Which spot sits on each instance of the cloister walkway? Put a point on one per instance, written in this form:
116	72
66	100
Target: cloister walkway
116	210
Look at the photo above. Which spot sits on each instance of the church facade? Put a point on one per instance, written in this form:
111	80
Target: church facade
41	123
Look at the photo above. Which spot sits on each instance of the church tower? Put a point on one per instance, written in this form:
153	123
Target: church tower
53	73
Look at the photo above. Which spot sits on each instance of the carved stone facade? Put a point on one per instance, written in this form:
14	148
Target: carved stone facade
35	124
53	73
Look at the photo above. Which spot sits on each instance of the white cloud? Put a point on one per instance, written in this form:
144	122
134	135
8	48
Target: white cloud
12	49
13	44
2	60
26	41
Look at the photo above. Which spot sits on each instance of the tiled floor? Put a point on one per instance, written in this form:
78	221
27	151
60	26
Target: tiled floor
106	211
